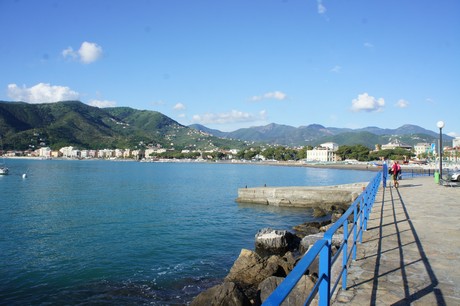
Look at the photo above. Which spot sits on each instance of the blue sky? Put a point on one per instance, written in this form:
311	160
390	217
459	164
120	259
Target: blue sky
232	64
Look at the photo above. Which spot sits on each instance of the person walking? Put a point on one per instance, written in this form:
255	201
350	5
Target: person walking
396	170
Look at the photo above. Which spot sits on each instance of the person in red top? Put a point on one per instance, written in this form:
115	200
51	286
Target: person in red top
396	169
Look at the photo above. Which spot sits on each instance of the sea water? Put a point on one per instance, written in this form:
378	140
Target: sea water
102	232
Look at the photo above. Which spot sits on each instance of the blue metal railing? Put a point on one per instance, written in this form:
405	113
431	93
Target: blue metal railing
325	285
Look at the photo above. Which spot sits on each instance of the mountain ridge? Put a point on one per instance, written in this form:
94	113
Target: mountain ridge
313	134
57	124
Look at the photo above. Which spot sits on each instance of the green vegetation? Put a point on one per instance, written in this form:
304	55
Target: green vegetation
72	123
362	153
358	152
394	154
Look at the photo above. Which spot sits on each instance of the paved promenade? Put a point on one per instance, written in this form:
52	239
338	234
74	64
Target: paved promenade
410	253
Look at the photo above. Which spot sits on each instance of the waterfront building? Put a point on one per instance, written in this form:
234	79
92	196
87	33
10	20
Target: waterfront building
396	144
456	142
330	145
66	151
422	149
452	154
44	152
119	153
84	154
324	153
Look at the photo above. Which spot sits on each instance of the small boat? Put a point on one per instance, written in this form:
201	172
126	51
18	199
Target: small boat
4	170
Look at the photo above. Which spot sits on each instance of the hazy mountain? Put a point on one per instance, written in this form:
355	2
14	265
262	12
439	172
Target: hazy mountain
315	134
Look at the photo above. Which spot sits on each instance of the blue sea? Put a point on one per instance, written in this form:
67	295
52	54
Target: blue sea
107	232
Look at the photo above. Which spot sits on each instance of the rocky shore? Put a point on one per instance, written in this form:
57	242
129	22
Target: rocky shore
255	274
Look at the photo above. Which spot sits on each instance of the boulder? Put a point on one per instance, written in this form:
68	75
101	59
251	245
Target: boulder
309	228
286	263
297	296
250	269
268	286
275	242
308	241
228	294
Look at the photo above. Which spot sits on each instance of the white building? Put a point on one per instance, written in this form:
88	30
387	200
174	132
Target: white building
66	151
324	153
106	153
396	144
44	152
84	154
330	145
422	148
456	142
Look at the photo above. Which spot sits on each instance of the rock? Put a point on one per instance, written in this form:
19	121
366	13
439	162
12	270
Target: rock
250	269
228	294
336	215
297	296
275	242
268	286
286	263
308	241
309	228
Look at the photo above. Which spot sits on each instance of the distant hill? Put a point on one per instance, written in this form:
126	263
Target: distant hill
315	134
28	126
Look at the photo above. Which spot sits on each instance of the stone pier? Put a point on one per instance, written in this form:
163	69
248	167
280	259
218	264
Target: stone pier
323	197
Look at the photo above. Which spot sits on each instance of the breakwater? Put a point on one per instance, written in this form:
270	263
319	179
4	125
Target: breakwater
323	197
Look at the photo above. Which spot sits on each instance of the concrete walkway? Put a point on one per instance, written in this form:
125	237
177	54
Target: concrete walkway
410	253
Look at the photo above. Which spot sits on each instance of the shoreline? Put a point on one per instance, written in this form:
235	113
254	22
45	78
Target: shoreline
362	166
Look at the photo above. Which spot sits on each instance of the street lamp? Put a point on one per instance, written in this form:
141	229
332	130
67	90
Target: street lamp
440	125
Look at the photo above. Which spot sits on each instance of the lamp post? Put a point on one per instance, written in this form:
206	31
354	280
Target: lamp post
440	125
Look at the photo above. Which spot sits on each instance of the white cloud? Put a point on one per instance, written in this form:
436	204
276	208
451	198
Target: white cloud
229	117
41	93
88	53
179	107
402	103
102	103
276	95
69	53
367	103
321	7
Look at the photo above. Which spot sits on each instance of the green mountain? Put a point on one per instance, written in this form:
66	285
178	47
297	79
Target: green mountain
27	126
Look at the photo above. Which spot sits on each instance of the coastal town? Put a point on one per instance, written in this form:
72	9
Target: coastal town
328	152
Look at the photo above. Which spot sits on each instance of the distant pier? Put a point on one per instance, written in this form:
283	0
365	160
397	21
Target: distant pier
323	197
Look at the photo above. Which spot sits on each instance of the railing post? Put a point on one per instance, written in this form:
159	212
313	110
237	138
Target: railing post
325	275
361	219
366	210
384	175
345	255
355	231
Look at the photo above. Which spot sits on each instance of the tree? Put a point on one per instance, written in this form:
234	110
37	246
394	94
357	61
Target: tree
358	152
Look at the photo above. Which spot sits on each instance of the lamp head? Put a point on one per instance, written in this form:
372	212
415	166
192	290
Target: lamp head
440	124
